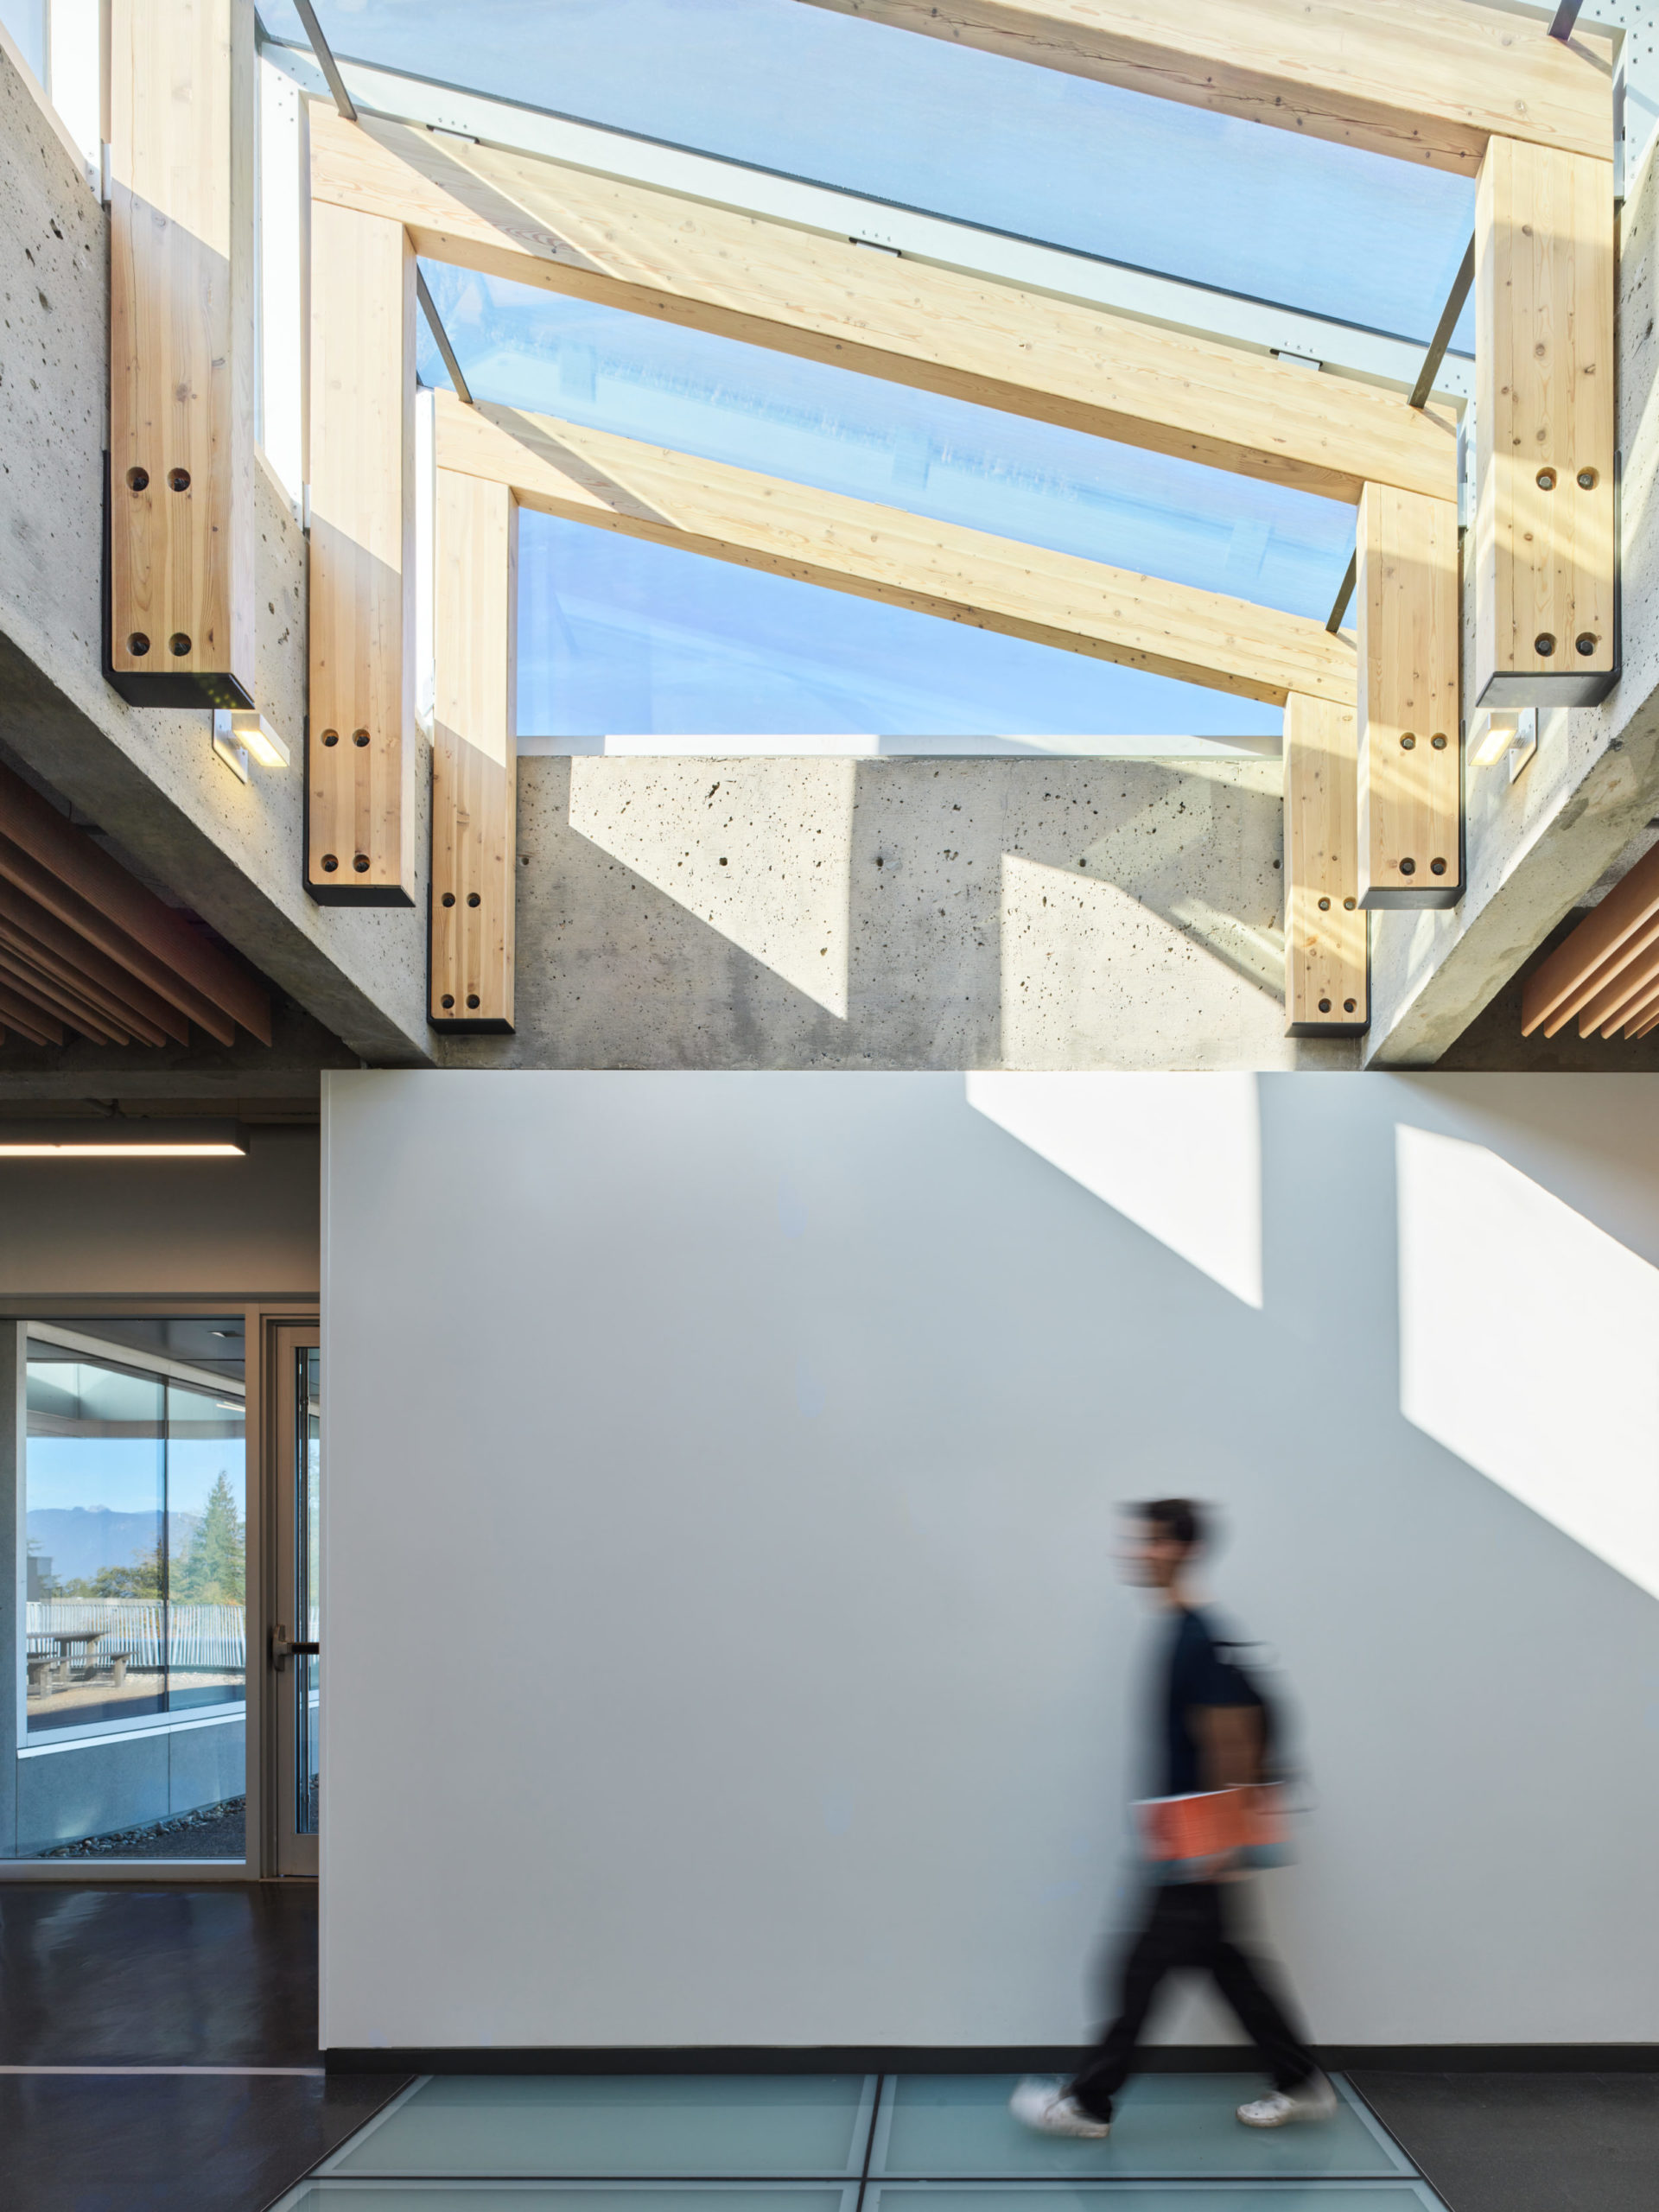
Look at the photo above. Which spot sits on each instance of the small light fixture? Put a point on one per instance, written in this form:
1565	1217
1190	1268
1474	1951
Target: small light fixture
1505	728
236	728
121	1137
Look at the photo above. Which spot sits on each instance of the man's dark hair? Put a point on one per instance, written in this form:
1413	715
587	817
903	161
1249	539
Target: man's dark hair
1177	1519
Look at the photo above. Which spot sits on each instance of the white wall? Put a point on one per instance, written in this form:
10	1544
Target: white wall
722	1640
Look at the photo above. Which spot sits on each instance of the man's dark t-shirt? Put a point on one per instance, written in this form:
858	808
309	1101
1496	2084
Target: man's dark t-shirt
1196	1675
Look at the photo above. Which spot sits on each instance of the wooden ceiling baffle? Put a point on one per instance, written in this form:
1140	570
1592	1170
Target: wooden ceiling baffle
85	946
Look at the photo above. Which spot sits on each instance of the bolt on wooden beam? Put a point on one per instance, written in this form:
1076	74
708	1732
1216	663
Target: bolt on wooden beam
1410	764
181	590
1545	629
360	751
474	753
1327	932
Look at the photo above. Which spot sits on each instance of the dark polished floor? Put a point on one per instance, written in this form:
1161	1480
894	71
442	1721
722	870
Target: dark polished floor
188	1979
1527	2142
150	1988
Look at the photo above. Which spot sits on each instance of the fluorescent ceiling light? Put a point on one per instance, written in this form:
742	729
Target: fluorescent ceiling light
119	1138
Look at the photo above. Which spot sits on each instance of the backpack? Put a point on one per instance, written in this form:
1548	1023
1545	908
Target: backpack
1275	1763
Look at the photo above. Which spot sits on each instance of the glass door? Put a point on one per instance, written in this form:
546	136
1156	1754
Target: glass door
292	1646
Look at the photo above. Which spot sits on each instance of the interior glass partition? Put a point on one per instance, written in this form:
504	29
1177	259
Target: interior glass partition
133	1632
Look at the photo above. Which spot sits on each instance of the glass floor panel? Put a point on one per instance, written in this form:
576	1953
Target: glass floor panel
329	2195
506	2195
556	2125
941	2125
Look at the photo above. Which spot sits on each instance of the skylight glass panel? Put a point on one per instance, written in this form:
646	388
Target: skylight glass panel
867	439
1357	237
628	646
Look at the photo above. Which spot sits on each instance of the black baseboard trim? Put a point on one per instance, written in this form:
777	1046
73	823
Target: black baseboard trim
1012	2058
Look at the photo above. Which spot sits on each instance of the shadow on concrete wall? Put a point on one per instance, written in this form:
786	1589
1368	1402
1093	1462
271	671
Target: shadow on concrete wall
898	913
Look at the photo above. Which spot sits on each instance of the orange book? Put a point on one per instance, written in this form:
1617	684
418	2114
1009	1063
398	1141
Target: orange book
1247	1822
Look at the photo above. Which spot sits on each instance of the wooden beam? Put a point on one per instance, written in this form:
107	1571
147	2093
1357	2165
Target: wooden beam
61	869
768	284
474	753
26	1017
65	978
1428	80
884	553
1637	969
1327	933
1632	1016
47	941
1410	764
1544	428
1589	960
360	751
182	585
58	1002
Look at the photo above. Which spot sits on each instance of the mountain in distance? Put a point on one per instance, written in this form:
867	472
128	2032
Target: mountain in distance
78	1540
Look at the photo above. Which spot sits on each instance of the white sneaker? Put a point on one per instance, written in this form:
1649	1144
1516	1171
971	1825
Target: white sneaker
1045	2107
1313	2099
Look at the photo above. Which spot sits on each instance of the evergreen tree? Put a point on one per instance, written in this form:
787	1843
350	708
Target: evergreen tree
213	1572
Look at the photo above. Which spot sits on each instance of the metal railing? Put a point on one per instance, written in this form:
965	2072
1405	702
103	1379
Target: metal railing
153	1633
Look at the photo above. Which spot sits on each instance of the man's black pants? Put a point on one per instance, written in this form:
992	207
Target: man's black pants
1189	1925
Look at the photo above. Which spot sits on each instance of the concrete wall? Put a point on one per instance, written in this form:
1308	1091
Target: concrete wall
148	776
772	1424
186	1228
898	913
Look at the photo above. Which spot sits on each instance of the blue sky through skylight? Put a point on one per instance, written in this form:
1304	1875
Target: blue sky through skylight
1356	236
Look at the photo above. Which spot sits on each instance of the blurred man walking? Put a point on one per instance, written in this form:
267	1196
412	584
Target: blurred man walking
1202	1834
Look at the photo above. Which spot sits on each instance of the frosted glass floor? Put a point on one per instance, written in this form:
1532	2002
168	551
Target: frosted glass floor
942	2126
341	2195
784	2143
618	2127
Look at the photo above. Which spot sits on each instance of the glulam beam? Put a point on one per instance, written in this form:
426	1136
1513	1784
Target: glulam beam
360	747
1545	630
474	753
1327	942
680	260
181	590
1410	783
1430	81
886	553
1597	957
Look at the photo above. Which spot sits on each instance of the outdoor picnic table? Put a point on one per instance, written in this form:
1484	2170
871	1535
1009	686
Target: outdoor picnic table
66	1638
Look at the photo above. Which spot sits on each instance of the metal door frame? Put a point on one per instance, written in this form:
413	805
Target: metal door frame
283	1338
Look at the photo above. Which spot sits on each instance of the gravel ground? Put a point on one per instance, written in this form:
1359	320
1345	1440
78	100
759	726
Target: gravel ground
211	1832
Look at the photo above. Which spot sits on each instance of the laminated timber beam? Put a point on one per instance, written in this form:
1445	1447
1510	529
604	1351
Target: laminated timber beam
653	252
886	553
1545	630
361	745
474	753
1428	80
180	607
1410	782
1327	932
51	945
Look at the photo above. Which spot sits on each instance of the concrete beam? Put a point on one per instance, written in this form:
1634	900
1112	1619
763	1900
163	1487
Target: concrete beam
149	776
1538	847
898	913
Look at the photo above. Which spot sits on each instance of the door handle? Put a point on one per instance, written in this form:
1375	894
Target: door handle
283	1649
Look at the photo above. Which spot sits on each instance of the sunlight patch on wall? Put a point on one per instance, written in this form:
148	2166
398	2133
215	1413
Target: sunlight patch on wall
1530	1346
1177	1155
767	864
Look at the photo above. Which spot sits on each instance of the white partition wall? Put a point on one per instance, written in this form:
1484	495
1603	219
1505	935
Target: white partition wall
721	1641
